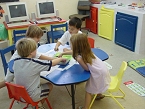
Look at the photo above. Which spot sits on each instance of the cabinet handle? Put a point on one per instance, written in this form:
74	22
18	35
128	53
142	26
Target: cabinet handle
116	29
93	20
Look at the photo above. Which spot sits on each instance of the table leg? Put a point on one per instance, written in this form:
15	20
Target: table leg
10	37
73	96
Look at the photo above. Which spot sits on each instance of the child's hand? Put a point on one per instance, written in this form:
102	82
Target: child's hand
63	60
65	50
60	55
56	49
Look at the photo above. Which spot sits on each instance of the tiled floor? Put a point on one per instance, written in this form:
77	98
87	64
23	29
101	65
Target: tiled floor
60	99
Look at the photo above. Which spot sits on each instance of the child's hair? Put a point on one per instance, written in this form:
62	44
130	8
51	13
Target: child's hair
81	46
25	46
76	22
34	31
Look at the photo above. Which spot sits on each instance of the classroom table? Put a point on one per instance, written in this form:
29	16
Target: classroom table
65	75
47	47
21	27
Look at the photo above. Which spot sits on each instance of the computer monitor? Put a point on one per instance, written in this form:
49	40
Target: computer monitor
17	11
46	8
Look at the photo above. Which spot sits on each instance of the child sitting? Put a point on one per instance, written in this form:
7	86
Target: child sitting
27	69
34	32
74	28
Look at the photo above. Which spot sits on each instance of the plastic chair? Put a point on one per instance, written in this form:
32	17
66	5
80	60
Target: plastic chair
57	31
18	34
115	85
91	42
3	52
19	93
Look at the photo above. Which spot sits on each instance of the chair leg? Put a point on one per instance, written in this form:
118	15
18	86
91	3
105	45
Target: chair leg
48	39
11	104
114	97
52	39
92	101
116	101
48	103
36	107
123	94
26	106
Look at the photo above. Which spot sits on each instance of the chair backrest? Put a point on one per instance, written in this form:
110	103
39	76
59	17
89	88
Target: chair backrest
91	42
84	7
57	31
120	74
3	52
59	26
18	34
19	93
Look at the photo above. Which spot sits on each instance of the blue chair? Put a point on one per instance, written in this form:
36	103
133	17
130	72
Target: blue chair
18	34
3	58
56	31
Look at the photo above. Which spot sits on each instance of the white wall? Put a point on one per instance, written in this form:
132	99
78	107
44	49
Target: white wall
65	7
126	1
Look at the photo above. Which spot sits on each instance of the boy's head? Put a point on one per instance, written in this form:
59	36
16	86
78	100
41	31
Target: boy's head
26	47
74	25
34	32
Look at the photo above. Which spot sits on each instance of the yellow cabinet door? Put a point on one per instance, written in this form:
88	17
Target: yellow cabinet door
106	23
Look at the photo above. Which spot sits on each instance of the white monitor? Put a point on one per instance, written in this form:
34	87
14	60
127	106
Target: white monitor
17	11
46	8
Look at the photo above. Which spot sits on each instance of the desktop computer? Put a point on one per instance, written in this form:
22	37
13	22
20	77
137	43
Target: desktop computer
43	39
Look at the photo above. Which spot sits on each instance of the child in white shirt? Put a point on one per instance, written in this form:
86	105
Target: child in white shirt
74	28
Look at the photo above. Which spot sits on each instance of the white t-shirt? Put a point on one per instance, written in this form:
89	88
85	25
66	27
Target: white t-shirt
66	38
10	76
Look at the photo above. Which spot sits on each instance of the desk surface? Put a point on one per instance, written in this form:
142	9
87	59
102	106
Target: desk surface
39	24
47	47
21	27
69	76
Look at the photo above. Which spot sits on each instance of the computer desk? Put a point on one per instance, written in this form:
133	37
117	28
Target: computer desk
21	27
65	75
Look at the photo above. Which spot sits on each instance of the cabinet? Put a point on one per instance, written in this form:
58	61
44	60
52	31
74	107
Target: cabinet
125	30
106	23
92	22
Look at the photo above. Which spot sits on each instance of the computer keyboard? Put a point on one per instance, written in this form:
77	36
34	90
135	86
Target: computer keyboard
47	20
18	24
55	19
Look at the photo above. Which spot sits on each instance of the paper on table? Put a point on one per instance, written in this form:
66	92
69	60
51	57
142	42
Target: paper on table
71	63
56	67
44	73
49	53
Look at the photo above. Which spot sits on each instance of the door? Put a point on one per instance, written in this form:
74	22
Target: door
125	31
106	23
91	22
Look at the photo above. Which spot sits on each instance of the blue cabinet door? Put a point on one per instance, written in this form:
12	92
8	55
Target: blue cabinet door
125	30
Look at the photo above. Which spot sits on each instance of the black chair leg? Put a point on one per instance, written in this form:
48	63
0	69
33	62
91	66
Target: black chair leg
12	52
